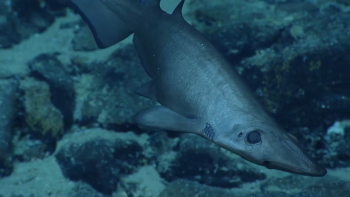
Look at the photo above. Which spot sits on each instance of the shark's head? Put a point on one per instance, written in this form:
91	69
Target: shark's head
268	145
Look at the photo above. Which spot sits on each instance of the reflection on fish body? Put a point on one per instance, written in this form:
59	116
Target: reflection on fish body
199	91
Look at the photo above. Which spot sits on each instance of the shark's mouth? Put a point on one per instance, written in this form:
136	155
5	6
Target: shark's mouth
293	169
278	166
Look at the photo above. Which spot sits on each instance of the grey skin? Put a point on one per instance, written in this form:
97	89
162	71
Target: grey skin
199	91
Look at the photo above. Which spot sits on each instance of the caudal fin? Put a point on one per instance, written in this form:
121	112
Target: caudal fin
105	25
111	21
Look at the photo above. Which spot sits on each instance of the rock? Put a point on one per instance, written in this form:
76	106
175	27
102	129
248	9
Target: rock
42	117
31	17
83	39
338	146
23	19
236	28
27	148
8	34
9	109
101	160
40	178
306	186
145	182
48	68
13	69
58	7
82	189
160	143
106	93
200	160
187	188
290	186
269	194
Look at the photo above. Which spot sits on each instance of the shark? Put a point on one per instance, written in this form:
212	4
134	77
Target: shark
198	90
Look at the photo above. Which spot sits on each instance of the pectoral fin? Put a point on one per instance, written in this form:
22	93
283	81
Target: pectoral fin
162	118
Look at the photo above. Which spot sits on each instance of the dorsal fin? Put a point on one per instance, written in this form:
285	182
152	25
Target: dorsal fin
178	10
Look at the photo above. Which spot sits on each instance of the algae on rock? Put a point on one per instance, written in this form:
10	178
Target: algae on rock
42	117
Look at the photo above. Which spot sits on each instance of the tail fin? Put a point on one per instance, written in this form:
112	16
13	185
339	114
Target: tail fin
111	21
105	25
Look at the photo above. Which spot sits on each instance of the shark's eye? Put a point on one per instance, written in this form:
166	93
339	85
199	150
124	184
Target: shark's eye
253	137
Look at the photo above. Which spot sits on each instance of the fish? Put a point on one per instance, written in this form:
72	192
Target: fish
198	90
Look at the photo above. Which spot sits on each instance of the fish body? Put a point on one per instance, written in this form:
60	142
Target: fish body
199	91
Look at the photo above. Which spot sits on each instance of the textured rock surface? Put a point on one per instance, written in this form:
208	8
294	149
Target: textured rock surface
22	19
84	40
8	33
100	161
106	90
187	188
8	108
41	116
48	68
291	186
27	148
43	178
82	189
200	160
306	186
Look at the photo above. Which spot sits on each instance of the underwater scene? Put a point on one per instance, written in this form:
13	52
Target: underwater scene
173	98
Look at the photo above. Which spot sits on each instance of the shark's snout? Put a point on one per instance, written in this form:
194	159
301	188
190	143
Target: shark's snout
292	158
313	171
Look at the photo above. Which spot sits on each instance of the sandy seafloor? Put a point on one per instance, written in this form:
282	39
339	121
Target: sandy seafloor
44	177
